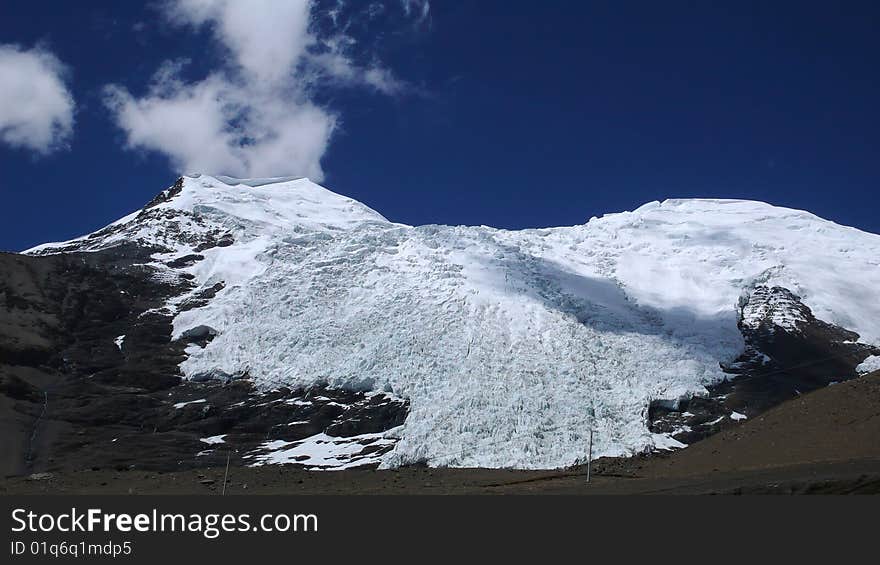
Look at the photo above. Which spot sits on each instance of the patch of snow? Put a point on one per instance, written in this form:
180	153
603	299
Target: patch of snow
869	365
664	442
182	404
213	440
36	250
119	341
778	309
322	452
736	416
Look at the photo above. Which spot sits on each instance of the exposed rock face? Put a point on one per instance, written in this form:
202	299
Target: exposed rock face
153	230
89	377
788	352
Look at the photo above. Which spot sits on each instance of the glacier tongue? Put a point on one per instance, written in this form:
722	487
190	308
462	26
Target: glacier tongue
510	345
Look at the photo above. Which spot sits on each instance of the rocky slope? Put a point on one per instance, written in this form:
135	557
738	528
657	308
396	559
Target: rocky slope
788	352
823	442
89	379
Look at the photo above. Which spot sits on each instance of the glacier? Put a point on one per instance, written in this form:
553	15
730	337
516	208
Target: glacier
510	345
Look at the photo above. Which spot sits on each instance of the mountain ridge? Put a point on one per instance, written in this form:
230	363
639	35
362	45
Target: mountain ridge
259	182
510	345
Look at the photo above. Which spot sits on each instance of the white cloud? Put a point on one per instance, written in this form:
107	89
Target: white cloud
418	8
220	125
255	116
335	67
265	37
36	108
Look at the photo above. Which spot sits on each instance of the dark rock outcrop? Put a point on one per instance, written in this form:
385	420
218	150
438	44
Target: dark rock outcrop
788	352
89	375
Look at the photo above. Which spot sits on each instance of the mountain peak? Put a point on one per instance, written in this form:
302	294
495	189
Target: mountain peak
278	201
251	182
488	333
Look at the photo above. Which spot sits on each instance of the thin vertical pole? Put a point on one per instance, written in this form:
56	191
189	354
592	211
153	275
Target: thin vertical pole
590	455
226	475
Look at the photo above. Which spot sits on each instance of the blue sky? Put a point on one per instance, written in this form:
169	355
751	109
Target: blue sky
505	113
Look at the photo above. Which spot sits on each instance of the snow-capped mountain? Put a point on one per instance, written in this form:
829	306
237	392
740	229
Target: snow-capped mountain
509	346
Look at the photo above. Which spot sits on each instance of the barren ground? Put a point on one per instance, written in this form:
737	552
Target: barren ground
822	442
